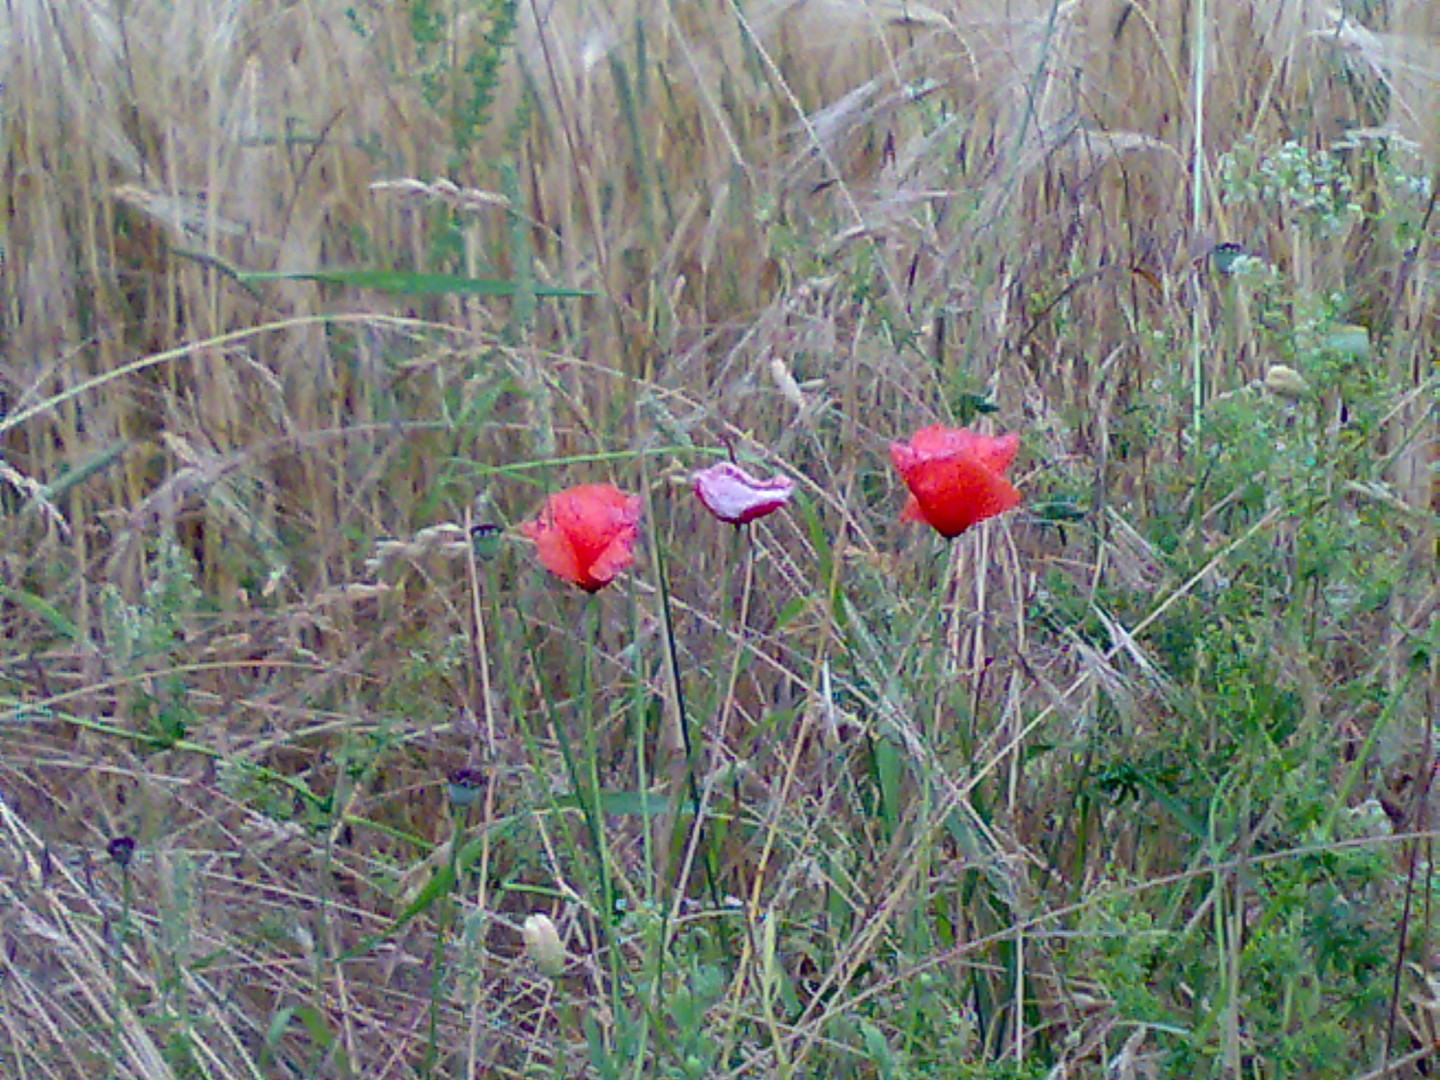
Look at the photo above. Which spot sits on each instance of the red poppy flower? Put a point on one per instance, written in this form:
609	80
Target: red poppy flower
733	495
956	477
587	534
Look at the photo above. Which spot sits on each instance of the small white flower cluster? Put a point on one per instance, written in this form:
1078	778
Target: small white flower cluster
1254	272
1312	184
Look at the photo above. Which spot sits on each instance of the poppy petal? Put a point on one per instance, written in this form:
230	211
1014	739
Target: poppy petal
956	477
736	497
587	534
553	547
954	494
607	565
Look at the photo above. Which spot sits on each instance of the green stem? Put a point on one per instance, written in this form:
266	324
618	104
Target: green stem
589	795
444	912
117	959
742	619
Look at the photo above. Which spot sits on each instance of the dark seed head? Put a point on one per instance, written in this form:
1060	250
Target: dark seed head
486	539
122	850
464	786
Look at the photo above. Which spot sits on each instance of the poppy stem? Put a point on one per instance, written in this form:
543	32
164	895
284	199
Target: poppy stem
954	566
678	740
593	798
964	633
744	541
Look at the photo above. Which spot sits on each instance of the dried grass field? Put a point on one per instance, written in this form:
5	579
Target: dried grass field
341	341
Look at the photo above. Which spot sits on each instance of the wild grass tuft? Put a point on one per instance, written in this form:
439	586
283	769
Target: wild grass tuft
306	308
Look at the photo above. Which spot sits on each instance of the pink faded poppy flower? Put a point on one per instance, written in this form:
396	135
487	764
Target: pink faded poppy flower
733	495
587	534
956	477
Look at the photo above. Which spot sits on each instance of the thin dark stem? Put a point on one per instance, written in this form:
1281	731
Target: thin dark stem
118	972
687	740
1419	818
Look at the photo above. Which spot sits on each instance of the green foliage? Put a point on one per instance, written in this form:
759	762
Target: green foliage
1312	185
147	643
459	67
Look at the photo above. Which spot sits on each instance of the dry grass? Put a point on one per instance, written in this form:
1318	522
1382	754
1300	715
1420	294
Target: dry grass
244	624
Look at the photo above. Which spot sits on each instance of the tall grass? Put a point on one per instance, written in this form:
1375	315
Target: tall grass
1137	781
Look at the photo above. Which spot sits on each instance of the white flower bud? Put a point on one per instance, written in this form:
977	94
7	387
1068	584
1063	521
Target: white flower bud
1286	382
543	945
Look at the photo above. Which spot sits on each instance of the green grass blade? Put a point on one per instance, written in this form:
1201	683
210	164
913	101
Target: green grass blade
410	283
